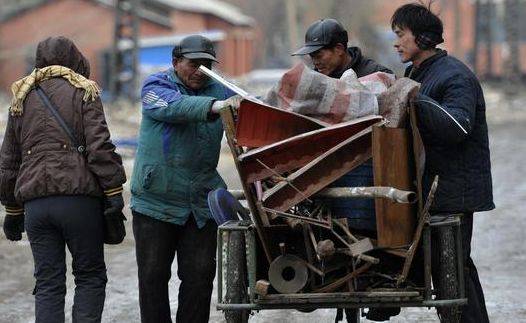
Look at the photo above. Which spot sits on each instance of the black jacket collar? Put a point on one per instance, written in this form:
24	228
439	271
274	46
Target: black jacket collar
356	58
415	73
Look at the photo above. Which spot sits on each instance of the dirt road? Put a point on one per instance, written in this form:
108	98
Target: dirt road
498	251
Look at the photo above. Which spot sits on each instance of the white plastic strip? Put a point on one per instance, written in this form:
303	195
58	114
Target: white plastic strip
447	113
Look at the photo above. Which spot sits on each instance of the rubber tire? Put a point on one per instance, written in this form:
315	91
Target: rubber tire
236	277
447	274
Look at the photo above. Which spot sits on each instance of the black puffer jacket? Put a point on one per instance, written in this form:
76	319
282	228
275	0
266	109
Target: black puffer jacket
361	65
461	159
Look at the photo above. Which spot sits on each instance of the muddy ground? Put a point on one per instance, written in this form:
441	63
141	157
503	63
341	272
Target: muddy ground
498	245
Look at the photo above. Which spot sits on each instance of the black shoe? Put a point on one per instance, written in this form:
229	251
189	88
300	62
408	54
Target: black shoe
380	314
351	315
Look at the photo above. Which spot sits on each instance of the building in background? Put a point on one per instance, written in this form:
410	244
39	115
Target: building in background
497	49
471	41
90	24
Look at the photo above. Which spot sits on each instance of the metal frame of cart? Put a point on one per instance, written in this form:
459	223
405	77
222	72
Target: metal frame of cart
447	230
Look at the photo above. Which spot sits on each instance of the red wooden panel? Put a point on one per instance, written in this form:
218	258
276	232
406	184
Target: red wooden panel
296	152
259	125
319	173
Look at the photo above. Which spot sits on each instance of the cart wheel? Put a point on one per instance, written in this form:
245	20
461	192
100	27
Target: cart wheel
236	277
447	274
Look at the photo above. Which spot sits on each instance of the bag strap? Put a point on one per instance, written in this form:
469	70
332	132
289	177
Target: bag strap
51	107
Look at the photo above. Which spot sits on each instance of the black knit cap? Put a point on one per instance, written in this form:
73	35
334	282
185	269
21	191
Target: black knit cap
323	33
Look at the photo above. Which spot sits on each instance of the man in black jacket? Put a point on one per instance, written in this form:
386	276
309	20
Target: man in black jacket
452	122
326	44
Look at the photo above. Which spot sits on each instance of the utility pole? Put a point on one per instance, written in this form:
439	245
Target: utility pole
458	28
124	55
292	22
512	65
487	30
476	41
483	34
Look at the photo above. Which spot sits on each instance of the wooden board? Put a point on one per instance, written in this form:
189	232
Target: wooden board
258	217
393	166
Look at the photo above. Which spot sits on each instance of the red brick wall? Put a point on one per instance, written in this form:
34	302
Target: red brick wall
89	25
188	22
499	56
236	52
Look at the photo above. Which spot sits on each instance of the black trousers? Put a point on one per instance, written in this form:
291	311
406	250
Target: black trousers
52	223
156	244
475	310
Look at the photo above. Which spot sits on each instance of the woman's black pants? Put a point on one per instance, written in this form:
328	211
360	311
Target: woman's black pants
75	222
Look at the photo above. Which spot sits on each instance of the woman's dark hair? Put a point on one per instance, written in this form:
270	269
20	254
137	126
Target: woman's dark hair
420	20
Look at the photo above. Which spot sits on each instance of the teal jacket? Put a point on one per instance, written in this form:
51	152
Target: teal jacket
178	150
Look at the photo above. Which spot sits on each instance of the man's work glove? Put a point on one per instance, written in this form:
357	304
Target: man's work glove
233	102
14	223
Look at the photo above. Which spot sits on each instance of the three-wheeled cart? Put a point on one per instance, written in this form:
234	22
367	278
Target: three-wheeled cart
283	249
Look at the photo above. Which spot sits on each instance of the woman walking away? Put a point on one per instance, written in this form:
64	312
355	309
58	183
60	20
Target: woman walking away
56	164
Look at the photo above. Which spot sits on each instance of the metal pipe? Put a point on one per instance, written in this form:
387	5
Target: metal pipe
351	303
397	195
220	266
460	262
427	263
445	302
250	240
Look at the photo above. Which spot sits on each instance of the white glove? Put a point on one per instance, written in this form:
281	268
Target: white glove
234	102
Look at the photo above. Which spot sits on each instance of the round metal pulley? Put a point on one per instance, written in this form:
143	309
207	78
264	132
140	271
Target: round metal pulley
288	274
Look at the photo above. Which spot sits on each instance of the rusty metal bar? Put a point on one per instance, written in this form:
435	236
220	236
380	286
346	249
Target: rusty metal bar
428	294
332	286
346	230
220	266
349	302
256	216
460	261
313	221
423	219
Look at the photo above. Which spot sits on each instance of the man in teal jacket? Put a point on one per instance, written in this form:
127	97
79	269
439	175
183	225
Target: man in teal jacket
175	168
